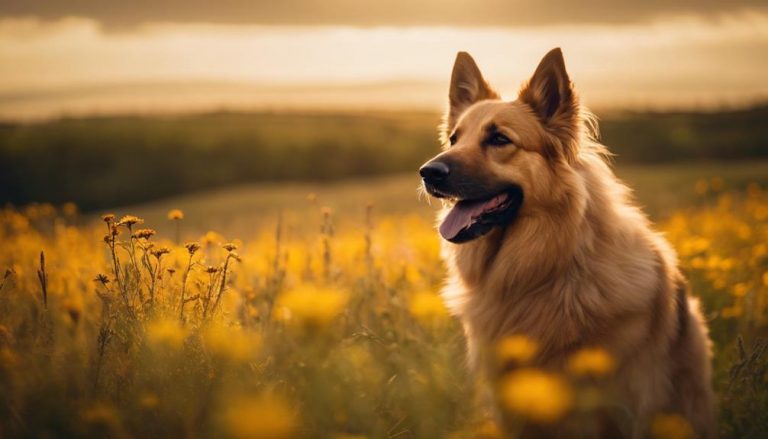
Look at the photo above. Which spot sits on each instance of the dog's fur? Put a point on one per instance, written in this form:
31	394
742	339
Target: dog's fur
580	266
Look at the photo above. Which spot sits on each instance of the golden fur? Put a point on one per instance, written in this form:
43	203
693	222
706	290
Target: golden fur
580	266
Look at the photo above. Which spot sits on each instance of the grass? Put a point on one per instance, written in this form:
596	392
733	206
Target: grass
99	162
325	322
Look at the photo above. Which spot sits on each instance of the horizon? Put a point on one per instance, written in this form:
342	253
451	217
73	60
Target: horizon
76	66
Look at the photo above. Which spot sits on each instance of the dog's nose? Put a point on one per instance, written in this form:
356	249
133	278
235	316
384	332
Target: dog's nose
434	171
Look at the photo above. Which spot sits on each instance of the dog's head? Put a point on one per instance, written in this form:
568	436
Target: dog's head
499	155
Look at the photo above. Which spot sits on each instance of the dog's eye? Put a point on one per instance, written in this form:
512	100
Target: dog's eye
498	139
452	139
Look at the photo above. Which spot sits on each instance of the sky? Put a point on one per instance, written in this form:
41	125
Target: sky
89	56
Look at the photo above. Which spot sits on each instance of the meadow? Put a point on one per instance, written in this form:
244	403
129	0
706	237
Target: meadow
107	161
323	320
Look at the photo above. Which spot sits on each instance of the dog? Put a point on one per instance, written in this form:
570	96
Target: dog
541	239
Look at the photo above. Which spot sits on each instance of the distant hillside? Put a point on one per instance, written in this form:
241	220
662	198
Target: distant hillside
109	161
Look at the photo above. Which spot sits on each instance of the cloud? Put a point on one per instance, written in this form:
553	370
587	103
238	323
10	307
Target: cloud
503	13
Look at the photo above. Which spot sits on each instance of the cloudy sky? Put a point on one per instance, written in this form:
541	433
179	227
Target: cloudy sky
87	56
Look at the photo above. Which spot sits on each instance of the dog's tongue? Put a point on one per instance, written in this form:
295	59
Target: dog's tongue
464	213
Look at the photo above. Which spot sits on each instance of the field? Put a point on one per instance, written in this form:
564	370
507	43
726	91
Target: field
120	160
322	319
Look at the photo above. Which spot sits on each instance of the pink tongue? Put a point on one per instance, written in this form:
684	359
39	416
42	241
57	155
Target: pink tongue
464	213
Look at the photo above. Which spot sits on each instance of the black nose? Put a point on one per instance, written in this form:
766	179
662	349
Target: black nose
434	171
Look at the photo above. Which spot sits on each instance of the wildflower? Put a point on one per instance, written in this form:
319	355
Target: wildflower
192	247
108	218
159	252
175	214
670	426
230	247
310	305
144	233
516	348
262	417
427	307
230	343
740	289
591	361
102	278
166	333
130	221
212	237
536	395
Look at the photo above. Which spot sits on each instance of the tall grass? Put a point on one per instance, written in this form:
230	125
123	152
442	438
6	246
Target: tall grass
313	330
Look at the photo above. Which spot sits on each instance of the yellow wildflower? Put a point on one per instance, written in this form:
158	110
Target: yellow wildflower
167	333
310	305
591	361
671	427
264	417
175	214
230	343
130	221
427	307
536	395
516	348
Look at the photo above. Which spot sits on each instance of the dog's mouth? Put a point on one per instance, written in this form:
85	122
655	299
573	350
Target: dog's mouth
469	219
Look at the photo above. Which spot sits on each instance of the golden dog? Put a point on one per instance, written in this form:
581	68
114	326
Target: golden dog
543	240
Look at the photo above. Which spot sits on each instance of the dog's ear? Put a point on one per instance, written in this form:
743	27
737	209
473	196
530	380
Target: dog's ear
551	95
467	87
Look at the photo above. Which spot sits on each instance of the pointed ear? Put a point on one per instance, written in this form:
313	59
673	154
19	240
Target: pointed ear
550	92
467	87
551	96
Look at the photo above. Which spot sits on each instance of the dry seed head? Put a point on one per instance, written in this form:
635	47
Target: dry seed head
211	269
192	247
144	233
175	214
108	218
130	221
159	252
230	247
101	278
171	271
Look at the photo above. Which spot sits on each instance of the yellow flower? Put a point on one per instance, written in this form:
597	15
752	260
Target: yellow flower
130	221
310	305
175	214
536	395
166	333
427	307
263	417
740	289
230	343
670	427
516	348
591	361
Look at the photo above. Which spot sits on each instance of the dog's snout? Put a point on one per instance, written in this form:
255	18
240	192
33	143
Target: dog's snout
434	171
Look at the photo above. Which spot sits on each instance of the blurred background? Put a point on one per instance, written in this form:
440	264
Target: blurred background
239	109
